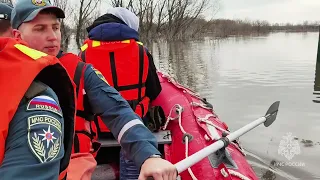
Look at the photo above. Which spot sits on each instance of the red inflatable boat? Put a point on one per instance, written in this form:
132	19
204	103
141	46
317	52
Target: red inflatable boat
194	125
190	125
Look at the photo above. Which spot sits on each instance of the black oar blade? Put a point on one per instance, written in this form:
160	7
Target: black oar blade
271	114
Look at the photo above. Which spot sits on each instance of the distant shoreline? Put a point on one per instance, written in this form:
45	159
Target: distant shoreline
222	28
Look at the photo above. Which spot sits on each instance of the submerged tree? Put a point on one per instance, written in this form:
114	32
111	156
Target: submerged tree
168	18
7	1
66	31
86	14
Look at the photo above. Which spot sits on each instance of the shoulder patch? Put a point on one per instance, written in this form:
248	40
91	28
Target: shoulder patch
100	75
44	103
44	137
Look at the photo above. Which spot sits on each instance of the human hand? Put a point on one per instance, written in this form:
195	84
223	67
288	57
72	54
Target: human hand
159	169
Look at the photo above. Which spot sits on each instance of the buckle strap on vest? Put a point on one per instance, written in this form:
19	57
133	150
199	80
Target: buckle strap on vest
77	75
142	109
138	86
129	87
77	142
113	70
85	133
135	103
83	55
60	54
85	115
141	62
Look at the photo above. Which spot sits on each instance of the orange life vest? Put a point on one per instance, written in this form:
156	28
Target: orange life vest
85	139
125	65
23	65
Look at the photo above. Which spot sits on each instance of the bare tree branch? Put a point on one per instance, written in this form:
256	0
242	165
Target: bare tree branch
87	13
7	1
65	28
169	18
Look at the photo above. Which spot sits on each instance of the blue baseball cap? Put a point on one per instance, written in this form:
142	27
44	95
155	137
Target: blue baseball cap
5	11
27	10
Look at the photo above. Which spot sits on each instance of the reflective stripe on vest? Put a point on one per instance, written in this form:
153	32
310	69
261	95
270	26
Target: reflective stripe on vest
22	65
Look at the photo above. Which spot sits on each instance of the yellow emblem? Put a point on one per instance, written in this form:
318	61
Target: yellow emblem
39	2
99	74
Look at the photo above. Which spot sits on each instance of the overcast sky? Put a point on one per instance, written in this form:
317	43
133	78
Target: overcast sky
274	11
294	11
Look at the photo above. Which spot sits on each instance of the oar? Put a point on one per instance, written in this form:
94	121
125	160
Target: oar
268	119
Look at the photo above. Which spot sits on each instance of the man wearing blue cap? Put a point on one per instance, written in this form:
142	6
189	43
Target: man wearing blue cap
37	23
5	16
37	111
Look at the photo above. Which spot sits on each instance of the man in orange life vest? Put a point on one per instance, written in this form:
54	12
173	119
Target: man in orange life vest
5	15
37	22
37	113
125	63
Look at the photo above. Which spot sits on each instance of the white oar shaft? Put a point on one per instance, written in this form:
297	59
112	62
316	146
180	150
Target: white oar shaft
193	159
198	156
245	129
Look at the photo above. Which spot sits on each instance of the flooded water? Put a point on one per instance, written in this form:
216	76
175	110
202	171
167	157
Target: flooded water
242	77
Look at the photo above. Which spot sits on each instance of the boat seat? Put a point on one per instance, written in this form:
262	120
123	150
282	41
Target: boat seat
163	137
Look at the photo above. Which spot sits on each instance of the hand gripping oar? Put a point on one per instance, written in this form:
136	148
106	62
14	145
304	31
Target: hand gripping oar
268	119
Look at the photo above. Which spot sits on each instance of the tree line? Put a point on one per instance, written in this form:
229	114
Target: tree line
225	27
167	19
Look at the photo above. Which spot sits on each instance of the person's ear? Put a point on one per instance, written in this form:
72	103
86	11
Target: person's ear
16	34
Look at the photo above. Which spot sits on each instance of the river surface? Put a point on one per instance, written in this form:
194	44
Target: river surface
242	77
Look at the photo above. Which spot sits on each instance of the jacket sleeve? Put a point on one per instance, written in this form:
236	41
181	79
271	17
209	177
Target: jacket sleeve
34	145
153	86
136	140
